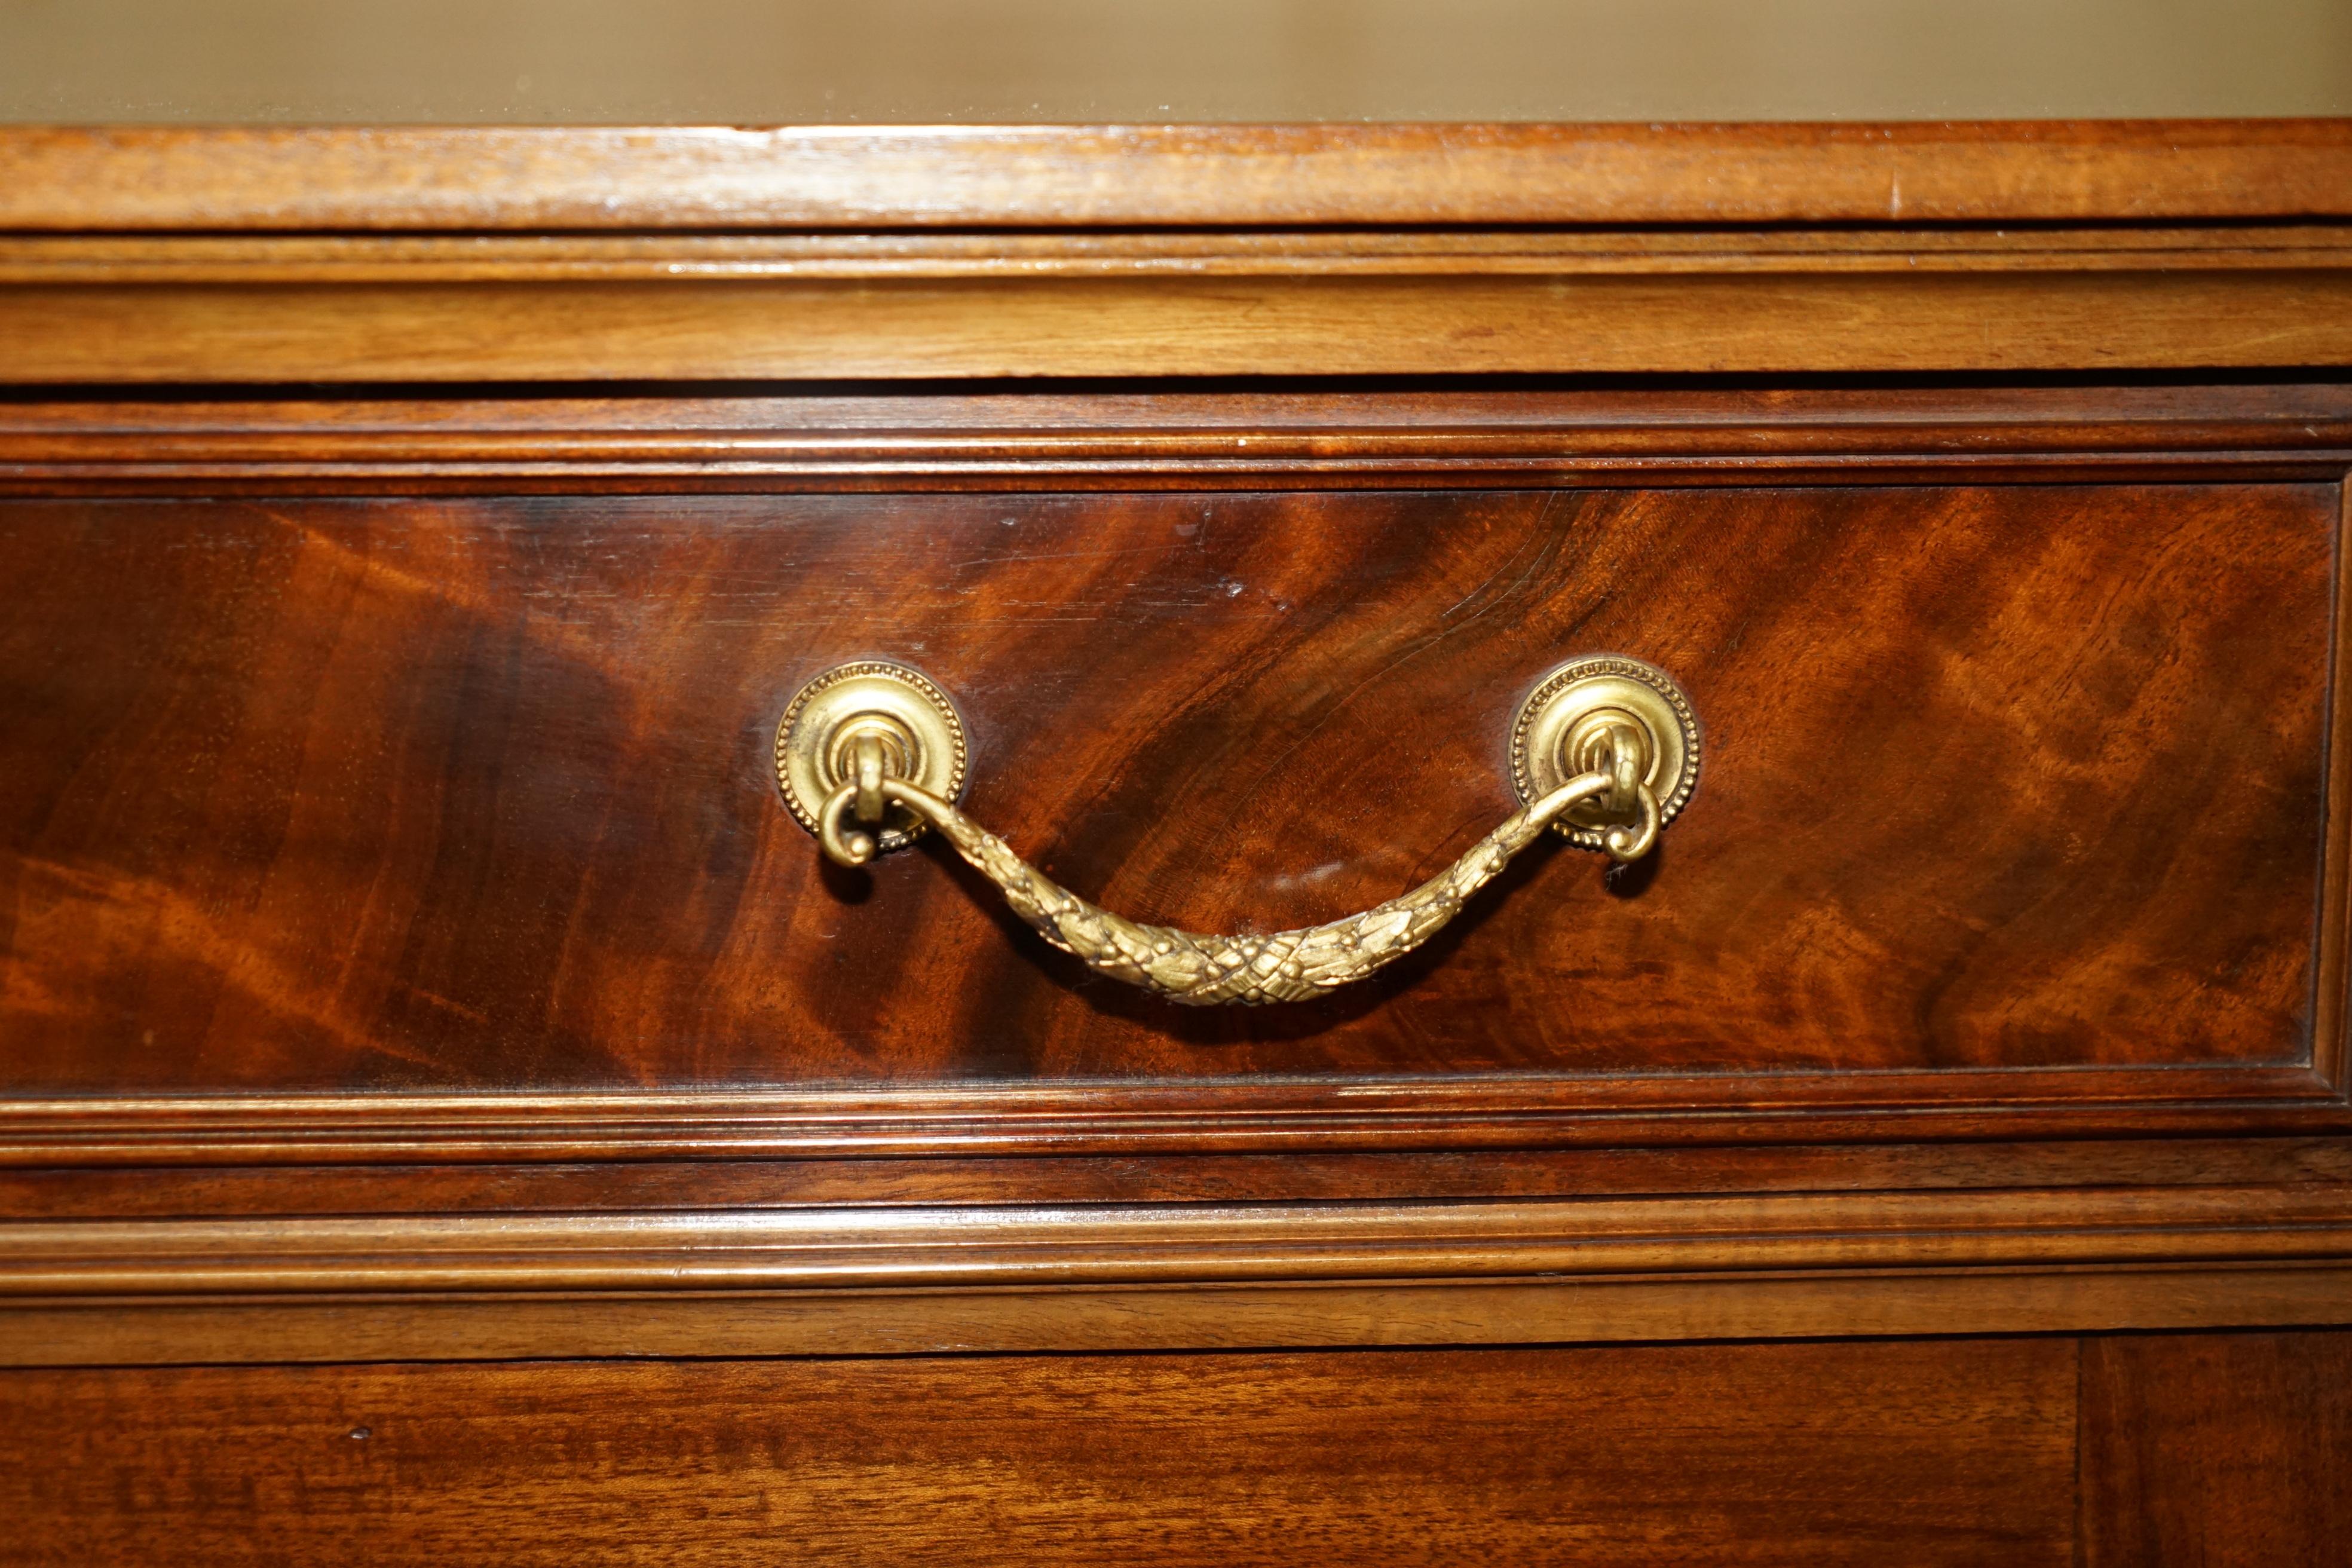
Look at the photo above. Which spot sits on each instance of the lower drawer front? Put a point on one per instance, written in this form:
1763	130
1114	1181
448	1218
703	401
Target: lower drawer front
2223	1450
478	792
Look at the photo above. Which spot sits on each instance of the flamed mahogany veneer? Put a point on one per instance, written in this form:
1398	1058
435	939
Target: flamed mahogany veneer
474	794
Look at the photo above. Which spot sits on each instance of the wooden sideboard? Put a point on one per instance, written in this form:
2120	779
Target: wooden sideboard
451	1110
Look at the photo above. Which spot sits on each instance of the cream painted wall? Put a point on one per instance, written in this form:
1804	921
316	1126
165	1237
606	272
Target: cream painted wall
779	60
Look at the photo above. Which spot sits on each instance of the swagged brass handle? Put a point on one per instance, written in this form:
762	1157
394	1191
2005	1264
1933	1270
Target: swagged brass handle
870	754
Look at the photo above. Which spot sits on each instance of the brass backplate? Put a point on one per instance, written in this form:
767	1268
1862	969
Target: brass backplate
1606	684
920	732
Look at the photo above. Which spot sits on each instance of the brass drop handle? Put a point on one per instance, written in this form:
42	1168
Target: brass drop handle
871	755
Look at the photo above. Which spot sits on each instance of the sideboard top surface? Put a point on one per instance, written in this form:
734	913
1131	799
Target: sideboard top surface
509	178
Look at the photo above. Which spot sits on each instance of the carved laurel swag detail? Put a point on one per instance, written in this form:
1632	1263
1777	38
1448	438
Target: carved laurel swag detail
1200	969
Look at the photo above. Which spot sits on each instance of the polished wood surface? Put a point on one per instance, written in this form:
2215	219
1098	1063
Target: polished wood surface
1063	303
2116	1452
1285	435
542	177
2228	1450
405	958
420	254
162	1328
684	1293
916	1246
2125	1452
2148	1166
840	1256
363	796
1789	1454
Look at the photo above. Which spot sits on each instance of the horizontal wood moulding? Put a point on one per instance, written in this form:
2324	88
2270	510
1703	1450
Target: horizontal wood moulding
1847	1305
1475	1114
621	1261
1174	1277
1301	253
672	1186
917	1245
1300	437
1243	176
1137	322
1830	1303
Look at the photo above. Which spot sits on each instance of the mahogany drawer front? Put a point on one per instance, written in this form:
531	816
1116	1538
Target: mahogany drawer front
2003	784
1779	1454
2132	1450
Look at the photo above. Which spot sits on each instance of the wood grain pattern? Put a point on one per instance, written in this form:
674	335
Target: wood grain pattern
1128	1118
797	1280
842	1256
631	1260
436	831
570	256
1788	1454
1303	1175
168	1331
1794	319
1055	301
490	178
1039	1246
1290	436
2228	1450
472	794
424	255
